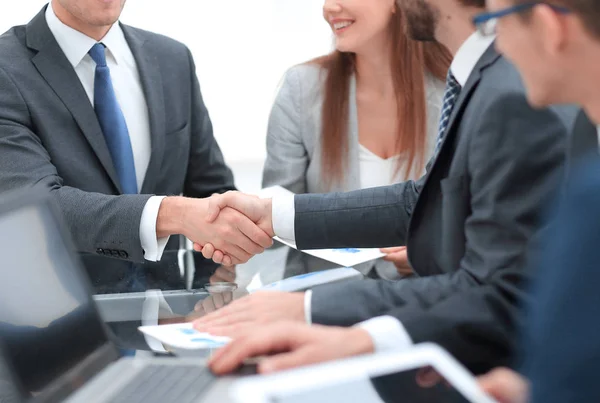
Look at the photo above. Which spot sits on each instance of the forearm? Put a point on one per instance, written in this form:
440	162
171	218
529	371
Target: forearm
331	304
366	218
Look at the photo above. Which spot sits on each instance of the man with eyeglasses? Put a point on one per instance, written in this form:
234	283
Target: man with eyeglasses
493	138
556	46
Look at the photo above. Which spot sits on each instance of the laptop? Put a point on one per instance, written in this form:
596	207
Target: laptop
52	339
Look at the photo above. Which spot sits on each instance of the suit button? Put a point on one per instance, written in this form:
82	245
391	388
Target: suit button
100	251
114	253
123	254
107	252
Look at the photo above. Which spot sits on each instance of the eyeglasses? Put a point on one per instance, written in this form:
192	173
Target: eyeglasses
486	22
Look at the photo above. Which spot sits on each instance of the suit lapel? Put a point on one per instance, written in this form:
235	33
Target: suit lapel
488	58
55	68
148	67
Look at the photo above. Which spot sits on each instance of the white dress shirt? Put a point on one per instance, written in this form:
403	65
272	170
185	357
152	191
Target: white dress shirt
387	332
130	95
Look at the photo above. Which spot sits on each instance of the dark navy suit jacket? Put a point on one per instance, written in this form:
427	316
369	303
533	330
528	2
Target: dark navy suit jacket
563	343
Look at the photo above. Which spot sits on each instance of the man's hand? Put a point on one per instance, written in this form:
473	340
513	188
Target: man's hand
224	274
399	257
255	309
253	207
256	209
231	232
505	385
295	344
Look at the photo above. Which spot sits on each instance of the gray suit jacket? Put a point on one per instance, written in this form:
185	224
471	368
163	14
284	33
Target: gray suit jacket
467	223
294	144
50	137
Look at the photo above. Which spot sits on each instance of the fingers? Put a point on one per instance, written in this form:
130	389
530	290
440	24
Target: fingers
397	257
245	204
215	204
395	249
227	297
208	251
218	300
244	235
505	386
237	253
254	342
257	235
223	274
218	257
293	359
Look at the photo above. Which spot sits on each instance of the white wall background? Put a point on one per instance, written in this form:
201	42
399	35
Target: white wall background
242	48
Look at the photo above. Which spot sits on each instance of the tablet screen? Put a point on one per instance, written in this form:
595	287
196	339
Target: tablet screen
421	385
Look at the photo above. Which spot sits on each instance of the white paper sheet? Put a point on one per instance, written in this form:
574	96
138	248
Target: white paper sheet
309	280
347	257
184	336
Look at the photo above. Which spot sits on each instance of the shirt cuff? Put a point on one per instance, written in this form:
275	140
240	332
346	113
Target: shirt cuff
387	333
284	213
153	247
308	307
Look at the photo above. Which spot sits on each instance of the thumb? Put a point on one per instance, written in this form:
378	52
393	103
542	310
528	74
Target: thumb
215	204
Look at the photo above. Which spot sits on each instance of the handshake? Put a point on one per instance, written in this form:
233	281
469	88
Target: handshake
228	228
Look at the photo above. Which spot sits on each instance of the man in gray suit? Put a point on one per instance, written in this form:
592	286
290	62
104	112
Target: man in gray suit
110	120
468	223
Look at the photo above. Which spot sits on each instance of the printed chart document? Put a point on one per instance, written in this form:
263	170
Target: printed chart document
184	336
305	281
346	257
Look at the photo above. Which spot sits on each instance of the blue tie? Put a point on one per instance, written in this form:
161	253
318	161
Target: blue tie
450	96
113	122
117	139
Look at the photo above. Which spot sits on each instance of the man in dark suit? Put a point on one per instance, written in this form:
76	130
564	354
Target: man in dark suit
110	119
557	48
468	223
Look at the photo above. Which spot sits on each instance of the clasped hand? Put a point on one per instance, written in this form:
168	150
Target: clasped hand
256	211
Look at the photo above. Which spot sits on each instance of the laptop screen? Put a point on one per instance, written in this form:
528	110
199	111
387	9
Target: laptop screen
48	323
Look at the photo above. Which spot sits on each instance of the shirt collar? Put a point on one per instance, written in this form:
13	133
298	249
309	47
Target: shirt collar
468	56
76	45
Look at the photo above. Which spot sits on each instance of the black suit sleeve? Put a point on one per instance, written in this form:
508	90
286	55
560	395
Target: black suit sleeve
207	172
367	218
516	159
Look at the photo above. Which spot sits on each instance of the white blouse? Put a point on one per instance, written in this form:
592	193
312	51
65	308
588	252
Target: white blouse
376	171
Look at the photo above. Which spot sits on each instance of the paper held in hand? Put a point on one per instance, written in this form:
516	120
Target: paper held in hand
347	257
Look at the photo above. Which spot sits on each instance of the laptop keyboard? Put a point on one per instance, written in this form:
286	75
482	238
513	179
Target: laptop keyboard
166	383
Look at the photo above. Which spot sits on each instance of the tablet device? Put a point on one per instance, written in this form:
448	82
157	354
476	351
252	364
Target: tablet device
407	376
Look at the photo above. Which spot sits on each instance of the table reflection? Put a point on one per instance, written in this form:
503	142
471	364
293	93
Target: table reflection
184	291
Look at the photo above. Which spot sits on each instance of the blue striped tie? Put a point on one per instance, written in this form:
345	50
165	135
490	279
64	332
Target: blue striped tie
113	122
450	96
